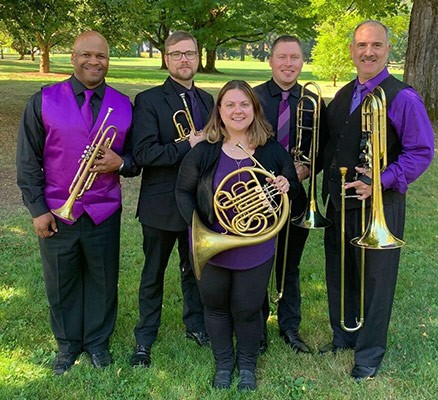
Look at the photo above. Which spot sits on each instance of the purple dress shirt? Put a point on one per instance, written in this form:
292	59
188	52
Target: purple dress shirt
411	122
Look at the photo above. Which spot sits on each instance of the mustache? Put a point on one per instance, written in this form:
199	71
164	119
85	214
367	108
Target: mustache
368	58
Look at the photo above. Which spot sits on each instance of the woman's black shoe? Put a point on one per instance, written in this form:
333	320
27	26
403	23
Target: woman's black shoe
222	379
247	380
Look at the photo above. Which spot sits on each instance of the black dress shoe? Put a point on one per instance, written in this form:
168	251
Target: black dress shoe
201	338
222	379
63	362
330	347
247	380
362	372
141	357
101	359
263	348
294	340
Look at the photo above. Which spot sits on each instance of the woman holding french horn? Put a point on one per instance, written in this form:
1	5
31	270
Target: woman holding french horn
235	208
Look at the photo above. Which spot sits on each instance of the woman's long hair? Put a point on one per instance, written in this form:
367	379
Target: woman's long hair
259	130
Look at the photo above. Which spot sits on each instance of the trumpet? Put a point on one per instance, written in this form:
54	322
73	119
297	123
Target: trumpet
376	234
184	133
258	215
311	218
84	177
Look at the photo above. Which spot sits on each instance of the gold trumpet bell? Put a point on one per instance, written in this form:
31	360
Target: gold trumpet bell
65	212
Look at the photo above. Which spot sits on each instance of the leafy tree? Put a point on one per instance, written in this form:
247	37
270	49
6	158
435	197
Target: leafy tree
422	53
215	23
331	58
50	22
5	38
120	21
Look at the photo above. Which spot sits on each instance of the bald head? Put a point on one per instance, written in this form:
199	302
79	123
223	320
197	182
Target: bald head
90	58
88	37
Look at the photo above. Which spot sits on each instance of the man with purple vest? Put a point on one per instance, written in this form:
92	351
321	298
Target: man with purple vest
410	147
81	258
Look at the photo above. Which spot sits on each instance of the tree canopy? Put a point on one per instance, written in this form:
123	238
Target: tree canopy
215	23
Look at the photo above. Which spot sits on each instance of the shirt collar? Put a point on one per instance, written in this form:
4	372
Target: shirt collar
180	88
373	82
79	87
275	90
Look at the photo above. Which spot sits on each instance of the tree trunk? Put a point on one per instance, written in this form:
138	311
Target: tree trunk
163	63
44	58
151	50
210	65
200	66
242	51
1	54
422	53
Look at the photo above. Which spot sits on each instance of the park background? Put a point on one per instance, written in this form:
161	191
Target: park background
180	369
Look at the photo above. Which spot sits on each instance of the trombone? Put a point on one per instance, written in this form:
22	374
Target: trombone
311	218
184	133
84	178
376	235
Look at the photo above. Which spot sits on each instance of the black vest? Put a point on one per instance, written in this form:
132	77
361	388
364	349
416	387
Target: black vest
343	148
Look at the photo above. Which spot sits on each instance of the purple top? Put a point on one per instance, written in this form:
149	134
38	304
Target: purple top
411	122
240	258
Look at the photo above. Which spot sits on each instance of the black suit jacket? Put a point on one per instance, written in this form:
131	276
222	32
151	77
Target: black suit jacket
269	94
155	150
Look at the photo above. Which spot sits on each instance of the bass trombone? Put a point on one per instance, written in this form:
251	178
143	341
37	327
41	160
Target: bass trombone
84	177
258	215
376	235
184	133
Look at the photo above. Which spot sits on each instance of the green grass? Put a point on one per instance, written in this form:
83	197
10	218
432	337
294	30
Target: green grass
180	369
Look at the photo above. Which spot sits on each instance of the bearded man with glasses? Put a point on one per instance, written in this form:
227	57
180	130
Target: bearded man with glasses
157	152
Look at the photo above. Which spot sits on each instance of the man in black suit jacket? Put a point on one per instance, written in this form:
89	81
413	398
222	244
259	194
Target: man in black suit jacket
156	151
286	62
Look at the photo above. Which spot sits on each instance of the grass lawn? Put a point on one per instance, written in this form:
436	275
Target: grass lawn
180	369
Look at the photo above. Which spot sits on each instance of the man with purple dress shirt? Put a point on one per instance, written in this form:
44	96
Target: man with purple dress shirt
410	147
80	259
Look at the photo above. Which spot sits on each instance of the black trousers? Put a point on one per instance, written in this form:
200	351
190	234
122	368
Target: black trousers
381	268
157	247
289	306
232	301
81	269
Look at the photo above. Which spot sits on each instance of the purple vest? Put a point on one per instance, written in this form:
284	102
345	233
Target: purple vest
66	138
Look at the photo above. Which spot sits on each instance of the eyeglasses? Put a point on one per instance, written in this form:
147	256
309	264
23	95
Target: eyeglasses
177	55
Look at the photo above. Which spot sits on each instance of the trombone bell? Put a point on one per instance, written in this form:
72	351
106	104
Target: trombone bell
378	236
312	218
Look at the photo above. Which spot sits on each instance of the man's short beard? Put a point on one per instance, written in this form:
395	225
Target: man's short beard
181	77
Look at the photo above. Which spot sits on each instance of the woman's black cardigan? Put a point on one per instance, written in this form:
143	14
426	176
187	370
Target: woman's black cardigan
194	185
